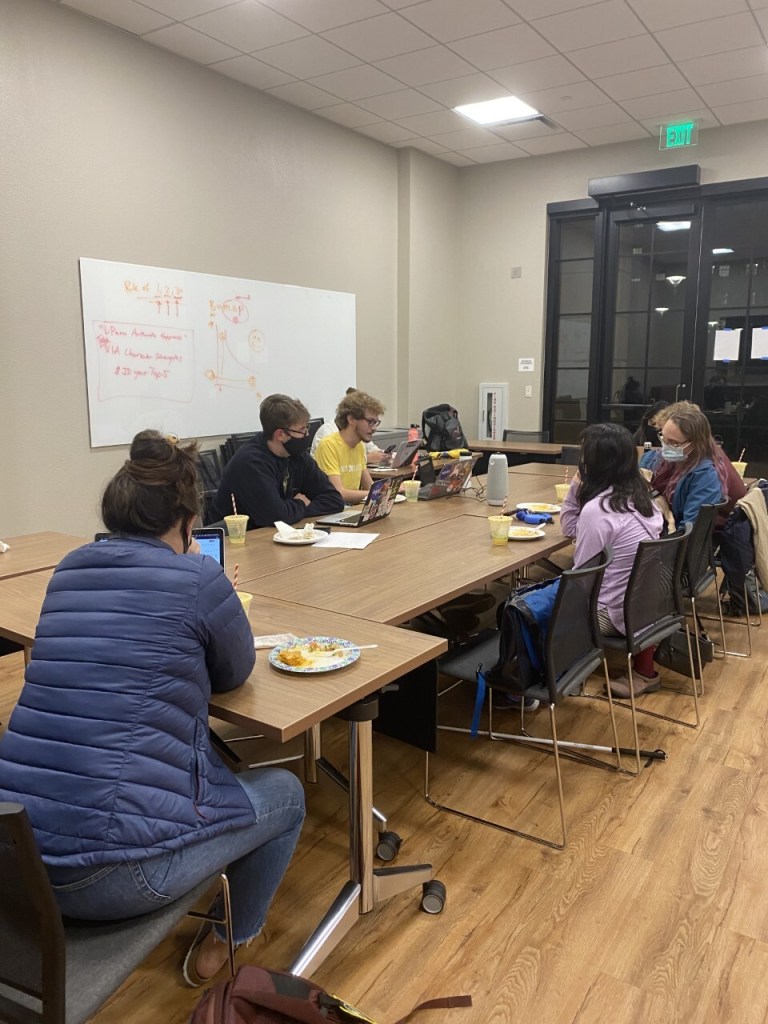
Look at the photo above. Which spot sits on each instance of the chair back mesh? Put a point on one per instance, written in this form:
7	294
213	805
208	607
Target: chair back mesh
31	933
653	599
526	435
699	555
573	639
210	469
238	440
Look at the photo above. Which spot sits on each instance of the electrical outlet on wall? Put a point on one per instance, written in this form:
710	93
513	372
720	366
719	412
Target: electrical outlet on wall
528	391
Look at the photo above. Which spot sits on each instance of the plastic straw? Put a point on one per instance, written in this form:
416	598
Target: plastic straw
234	506
235	574
741	457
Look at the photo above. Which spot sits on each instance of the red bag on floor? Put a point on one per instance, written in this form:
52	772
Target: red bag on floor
258	996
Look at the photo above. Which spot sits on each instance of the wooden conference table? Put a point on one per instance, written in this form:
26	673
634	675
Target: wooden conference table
35	551
488	447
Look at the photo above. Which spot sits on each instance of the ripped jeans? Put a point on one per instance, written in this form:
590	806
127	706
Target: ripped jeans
256	858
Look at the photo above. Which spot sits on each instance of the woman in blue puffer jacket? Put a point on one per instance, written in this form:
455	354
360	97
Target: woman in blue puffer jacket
108	748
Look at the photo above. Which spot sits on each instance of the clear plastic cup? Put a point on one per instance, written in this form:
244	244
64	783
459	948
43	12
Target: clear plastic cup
236	527
245	600
740	467
499	527
561	490
410	489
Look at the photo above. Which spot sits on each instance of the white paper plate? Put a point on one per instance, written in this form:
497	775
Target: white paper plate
525	533
539	506
345	652
299	541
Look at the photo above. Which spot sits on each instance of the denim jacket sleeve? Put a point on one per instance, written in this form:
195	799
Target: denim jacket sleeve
700	486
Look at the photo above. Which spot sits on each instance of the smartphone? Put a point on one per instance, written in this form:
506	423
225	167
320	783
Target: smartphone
210	539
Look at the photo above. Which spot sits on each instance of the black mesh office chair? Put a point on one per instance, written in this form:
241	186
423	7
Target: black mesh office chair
572	652
314	425
701	573
569	456
653	610
52	972
526	435
238	440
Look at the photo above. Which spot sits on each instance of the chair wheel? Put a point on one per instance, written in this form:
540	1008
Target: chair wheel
433	897
388	846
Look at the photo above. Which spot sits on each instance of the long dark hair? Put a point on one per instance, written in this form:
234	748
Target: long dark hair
155	487
648	431
608	461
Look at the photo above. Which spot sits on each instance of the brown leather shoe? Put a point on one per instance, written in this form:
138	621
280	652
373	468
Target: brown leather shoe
642	684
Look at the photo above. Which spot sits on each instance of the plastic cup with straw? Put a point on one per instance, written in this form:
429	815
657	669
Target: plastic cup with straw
562	489
740	465
236	525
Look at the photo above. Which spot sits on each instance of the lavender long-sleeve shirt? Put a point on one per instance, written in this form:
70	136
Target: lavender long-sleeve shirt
594	527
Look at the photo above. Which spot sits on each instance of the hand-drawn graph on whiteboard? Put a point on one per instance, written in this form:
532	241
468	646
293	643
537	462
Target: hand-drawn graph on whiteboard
194	354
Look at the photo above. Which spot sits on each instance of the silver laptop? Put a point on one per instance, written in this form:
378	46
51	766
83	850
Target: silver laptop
377	505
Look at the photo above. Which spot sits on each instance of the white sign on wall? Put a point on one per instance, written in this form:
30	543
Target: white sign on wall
525	365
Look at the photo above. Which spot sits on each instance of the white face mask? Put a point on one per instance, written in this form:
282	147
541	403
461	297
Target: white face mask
672	454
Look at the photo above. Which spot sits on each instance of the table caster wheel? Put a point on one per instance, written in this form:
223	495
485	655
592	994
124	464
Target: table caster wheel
388	846
433	897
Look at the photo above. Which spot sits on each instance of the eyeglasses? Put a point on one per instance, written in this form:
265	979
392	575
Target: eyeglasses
371	423
672	444
296	433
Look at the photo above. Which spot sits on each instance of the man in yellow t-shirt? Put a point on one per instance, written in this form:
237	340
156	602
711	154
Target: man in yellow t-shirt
341	455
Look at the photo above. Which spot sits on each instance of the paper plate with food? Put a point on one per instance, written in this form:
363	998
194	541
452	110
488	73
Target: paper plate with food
290	535
525	533
539	506
314	654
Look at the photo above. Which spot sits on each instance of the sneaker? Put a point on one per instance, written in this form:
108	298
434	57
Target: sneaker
507	701
643	684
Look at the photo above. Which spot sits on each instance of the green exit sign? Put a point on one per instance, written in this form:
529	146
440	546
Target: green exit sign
675	136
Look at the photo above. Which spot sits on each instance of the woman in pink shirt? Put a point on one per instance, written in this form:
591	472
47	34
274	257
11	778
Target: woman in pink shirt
609	503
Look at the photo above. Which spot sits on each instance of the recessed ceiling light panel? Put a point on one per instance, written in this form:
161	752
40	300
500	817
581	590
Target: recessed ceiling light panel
498	111
673	225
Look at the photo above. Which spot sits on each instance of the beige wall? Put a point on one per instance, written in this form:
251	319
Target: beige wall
503	224
114	149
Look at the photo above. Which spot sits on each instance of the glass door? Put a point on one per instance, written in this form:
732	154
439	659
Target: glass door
732	375
650	306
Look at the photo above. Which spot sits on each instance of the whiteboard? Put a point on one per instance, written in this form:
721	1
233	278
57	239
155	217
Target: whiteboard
194	354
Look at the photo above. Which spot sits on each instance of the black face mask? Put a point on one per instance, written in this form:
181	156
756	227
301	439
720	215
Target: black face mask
297	445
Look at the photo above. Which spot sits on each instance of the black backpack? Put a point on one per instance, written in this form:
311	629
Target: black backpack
522	621
441	428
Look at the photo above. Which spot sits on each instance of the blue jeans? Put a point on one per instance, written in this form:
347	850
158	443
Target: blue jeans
256	858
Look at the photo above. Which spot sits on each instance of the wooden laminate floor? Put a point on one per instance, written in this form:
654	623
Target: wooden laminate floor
657	911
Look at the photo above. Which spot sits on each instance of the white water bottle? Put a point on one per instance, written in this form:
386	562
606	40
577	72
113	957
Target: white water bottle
496	483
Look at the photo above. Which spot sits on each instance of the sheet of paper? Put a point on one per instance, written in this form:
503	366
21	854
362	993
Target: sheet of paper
759	343
727	344
349	540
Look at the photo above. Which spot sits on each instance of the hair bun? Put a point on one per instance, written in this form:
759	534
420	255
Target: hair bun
150	446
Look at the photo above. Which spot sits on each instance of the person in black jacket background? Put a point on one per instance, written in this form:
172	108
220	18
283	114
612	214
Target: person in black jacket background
273	477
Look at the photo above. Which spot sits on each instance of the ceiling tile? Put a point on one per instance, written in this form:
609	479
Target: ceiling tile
565	97
706	37
308	57
378	38
247	25
397	5
456	19
757	4
504	47
525	130
251	72
188	43
592	117
468	138
643	83
551	144
622	55
402	103
492	154
469	89
661	14
181	9
126	14
348	114
662	105
427	146
457	159
357	83
762	20
736	113
385	131
534	75
741	90
722	67
434	124
319	17
532	9
433	64
302	94
612	133
574	30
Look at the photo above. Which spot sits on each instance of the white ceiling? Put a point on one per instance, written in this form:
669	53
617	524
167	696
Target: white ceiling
603	72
